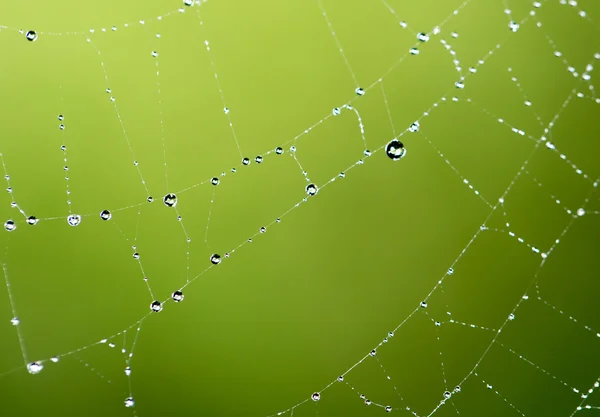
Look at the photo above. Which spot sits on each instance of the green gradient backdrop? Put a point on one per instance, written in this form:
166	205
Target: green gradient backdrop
310	297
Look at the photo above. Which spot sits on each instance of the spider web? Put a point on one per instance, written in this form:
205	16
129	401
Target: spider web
237	155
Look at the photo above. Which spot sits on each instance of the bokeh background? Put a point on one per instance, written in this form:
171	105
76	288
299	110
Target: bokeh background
287	313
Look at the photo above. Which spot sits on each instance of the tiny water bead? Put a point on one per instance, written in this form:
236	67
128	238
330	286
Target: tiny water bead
368	402
395	150
61	117
150	199
10	225
15	321
177	296
447	394
34	367
105	215
32	220
214	181
580	212
340	378
316	396
215	259
246	161
513	26
136	255
128	371
129	402
373	352
450	271
388	409
74	220
154	54
279	150
423	37
367	152
311	189
360	91
226	110
258	159
460	85
414	51
423	304
170	200
188	2
61	127
156	306
31	36
336	111
457	388
414	127
292	149
263	229
54	359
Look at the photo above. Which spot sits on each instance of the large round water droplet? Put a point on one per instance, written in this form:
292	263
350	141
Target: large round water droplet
129	402
74	220
215	259
105	215
388	409
279	150
423	37
15	321
246	161
156	306
10	225
32	220
35	367
170	200
316	396
214	181
31	36
311	189
395	150
177	296
360	91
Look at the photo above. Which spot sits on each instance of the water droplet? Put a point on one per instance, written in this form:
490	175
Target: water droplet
360	91
61	117
423	37
35	367
391	334
258	159
31	36
128	371
368	402
395	150
61	127
177	296
54	359
340	378
215	259
292	149
336	111
373	352
414	51
154	54
246	161
150	199
342	175
367	152
513	26
580	212
263	229
188	2
156	306
214	181
32	220
136	255
129	402
388	409
170	200
450	271
74	220
15	321
447	394
423	304
311	189
279	150
9	190
457	388
316	396
10	225
460	85
511	316
414	127
105	215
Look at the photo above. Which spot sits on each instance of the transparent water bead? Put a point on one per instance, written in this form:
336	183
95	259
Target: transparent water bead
188	2
388	409
215	259
31	36
129	402
34	368
32	220
74	220
246	161
15	321
54	359
423	37
215	181
177	296
128	371
580	212
340	378
156	306
279	150
311	189
258	159
395	150
105	215
336	111
414	51
414	127
316	396
170	200
10	225
513	26
360	91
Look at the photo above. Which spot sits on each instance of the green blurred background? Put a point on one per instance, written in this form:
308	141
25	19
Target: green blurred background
299	305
